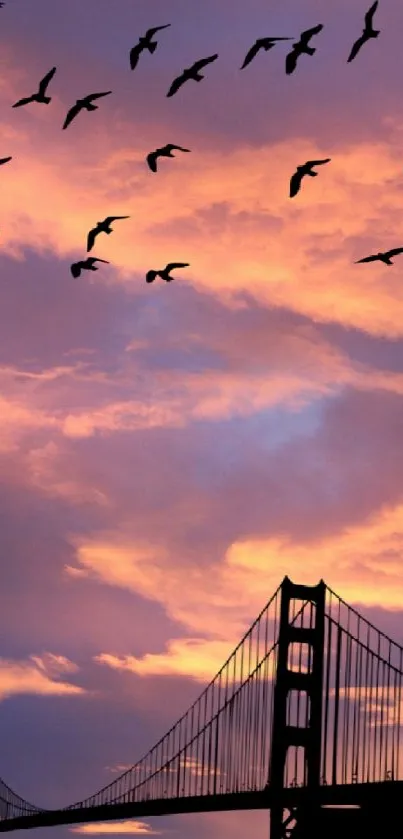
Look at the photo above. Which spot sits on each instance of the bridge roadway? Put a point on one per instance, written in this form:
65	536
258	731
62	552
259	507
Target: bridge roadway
376	800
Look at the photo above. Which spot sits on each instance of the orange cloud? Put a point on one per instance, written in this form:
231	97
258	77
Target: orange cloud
130	826
39	675
361	563
148	570
186	656
306	266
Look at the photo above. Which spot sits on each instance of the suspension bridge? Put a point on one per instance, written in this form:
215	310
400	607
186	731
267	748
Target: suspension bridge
303	720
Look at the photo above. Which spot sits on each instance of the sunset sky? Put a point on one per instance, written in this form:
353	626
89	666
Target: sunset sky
168	452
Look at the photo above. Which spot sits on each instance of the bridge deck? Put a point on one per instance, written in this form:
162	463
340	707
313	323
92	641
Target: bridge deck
377	795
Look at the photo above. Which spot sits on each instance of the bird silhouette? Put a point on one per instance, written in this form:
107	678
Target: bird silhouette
145	43
191	73
300	47
102	227
367	33
4	160
261	43
39	96
382	256
306	169
165	151
81	104
164	273
86	264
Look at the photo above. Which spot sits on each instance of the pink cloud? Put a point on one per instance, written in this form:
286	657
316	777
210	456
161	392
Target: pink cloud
38	675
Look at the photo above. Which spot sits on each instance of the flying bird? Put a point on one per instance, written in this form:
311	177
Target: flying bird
87	264
300	47
165	151
367	33
383	257
83	104
164	273
4	160
39	96
191	73
261	43
145	43
101	227
306	169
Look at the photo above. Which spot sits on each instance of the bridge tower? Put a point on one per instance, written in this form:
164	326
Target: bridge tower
284	735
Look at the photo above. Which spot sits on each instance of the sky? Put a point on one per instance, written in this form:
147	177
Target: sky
168	452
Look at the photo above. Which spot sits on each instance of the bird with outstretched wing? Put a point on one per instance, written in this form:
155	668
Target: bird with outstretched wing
39	96
164	272
102	227
83	104
261	43
367	33
384	256
87	264
145	42
191	73
301	47
306	169
164	151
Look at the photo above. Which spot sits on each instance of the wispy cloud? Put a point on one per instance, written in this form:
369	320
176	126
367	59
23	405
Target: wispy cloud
37	675
186	656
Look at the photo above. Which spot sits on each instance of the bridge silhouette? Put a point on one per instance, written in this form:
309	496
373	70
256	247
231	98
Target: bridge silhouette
302	719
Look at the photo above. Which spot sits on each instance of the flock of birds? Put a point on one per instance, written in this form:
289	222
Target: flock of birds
146	42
